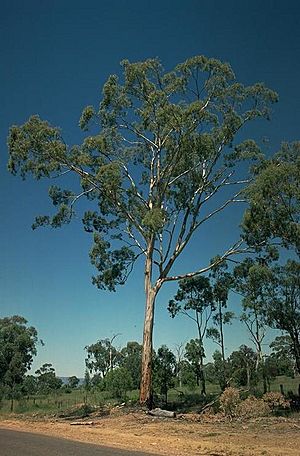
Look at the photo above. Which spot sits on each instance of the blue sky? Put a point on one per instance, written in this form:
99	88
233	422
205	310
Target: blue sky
55	57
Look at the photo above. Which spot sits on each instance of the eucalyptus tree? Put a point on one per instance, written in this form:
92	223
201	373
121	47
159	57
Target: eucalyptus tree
282	304
252	280
222	282
274	211
242	364
164	370
195	354
161	147
131	359
194	299
102	357
17	348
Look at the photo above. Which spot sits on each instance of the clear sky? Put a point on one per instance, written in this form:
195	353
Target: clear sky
55	57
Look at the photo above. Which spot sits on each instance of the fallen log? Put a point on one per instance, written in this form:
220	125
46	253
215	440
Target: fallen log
161	413
82	423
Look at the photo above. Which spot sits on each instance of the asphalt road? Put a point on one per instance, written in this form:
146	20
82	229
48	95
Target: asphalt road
13	443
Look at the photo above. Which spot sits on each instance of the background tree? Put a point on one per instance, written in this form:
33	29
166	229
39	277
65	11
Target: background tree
17	348
222	282
180	352
194	353
101	357
283	353
131	360
73	382
47	381
194	299
252	280
164	370
282	304
118	382
274	196
242	365
162	148
29	386
222	371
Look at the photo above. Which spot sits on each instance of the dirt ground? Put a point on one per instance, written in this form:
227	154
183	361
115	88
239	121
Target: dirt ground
185	435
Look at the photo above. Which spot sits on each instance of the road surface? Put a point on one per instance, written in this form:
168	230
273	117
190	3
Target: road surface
15	443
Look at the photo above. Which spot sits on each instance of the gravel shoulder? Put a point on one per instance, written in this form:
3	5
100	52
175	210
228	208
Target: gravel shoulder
185	435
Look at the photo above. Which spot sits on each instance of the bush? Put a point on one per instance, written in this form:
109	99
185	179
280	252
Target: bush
229	402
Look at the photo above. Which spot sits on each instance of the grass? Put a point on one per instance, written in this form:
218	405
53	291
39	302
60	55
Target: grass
178	398
289	384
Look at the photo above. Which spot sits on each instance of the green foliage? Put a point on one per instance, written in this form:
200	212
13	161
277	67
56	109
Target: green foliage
154	159
17	348
164	370
101	357
47	380
275	200
283	355
282	303
29	385
118	382
242	365
73	382
131	360
194	353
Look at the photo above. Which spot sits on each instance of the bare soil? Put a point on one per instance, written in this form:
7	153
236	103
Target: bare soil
188	434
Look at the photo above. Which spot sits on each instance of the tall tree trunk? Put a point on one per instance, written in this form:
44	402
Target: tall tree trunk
224	380
248	370
296	348
146	393
202	379
201	356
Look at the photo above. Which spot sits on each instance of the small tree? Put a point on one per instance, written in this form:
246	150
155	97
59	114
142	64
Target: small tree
30	385
164	370
242	364
194	353
101	357
87	384
252	280
222	282
221	369
180	351
47	381
194	299
131	360
73	382
118	382
283	354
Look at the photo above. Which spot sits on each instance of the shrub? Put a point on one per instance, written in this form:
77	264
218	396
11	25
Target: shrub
229	401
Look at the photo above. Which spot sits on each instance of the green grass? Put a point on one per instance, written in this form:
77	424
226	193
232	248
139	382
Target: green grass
178	398
289	384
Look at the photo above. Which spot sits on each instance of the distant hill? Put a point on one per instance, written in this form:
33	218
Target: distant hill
66	379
